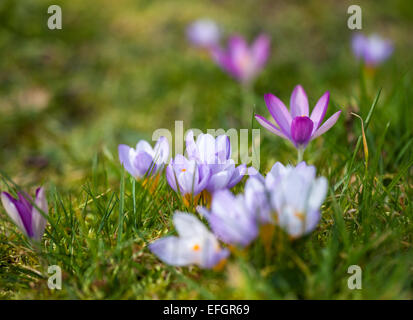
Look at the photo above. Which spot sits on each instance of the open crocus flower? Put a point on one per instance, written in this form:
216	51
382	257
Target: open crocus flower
26	216
241	61
230	219
373	50
296	124
144	160
187	177
203	33
195	244
296	196
215	153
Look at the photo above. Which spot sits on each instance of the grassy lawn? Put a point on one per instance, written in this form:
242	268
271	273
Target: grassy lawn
119	70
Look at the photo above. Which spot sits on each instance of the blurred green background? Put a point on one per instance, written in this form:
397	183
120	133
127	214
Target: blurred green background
118	70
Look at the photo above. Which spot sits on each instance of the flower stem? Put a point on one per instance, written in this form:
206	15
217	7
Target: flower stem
300	153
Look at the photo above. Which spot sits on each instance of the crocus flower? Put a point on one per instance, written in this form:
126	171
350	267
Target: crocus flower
256	199
230	219
215	153
203	33
241	61
195	244
296	125
373	49
26	216
144	160
296	196
187	177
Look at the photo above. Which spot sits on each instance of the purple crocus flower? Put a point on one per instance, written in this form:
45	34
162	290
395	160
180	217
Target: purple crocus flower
144	160
187	177
230	219
26	216
296	125
241	61
195	244
373	49
203	33
215	153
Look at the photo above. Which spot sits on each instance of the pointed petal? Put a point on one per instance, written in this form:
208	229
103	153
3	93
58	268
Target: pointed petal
161	150
173	251
8	204
261	50
38	220
269	126
279	112
319	111
326	125
299	102
188	225
124	159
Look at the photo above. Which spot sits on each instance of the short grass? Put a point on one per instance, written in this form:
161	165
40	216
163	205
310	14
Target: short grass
120	70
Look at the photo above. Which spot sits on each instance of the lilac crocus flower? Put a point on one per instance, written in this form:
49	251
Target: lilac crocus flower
203	33
241	61
296	124
144	160
296	196
195	244
373	49
256	199
187	177
230	219
215	153
26	216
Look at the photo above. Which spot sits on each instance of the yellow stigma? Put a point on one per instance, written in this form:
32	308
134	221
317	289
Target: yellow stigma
196	247
299	215
183	170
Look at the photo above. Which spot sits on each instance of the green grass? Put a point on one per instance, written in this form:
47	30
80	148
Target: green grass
117	72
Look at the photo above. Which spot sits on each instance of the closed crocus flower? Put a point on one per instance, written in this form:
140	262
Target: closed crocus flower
26	216
215	153
203	33
230	219
241	61
144	161
296	196
373	50
296	124
187	177
195	245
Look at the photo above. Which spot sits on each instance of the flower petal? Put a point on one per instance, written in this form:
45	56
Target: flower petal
319	111
38	220
269	126
8	204
124	159
301	130
326	125
279	112
299	102
260	50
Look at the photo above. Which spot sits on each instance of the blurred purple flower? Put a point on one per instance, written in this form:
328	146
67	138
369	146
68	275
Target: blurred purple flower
195	244
230	219
373	49
203	33
296	196
26	216
241	61
187	177
256	199
144	160
215	153
296	125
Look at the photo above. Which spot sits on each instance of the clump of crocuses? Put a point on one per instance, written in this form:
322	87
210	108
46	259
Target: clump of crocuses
296	124
373	50
241	61
144	161
25	215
